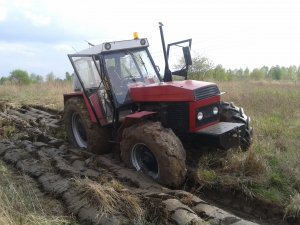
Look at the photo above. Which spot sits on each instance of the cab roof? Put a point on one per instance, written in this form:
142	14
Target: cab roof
115	45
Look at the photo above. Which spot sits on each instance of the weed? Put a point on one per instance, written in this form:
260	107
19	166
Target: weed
245	164
60	134
108	200
207	176
293	208
8	131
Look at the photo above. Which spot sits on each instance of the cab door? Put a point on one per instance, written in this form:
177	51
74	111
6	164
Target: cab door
87	70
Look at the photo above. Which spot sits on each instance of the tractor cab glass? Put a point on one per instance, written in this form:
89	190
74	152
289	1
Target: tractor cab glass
86	68
127	68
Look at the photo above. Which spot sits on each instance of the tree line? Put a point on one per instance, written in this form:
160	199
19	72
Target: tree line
204	69
22	77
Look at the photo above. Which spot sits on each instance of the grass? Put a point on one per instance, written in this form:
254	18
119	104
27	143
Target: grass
110	198
23	204
270	170
46	94
293	208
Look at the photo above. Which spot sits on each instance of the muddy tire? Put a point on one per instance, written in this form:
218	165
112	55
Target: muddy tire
231	113
81	132
156	151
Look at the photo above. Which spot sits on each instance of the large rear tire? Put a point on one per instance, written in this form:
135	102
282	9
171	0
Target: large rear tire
231	113
156	151
81	132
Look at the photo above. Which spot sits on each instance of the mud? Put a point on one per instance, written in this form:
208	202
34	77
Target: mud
90	185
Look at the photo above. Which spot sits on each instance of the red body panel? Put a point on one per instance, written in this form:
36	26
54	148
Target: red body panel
192	111
139	115
177	91
95	102
98	108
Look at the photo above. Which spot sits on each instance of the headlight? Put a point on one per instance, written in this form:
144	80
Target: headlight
215	110
200	116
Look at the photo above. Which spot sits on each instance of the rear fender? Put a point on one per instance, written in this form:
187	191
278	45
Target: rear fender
81	95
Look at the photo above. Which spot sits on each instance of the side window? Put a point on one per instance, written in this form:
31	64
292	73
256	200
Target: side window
87	71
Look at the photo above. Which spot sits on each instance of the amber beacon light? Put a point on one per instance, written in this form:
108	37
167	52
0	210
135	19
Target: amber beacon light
135	35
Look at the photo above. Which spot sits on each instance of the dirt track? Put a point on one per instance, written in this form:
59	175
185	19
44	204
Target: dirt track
98	189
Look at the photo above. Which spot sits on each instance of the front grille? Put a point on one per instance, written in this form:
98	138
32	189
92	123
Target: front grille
177	116
209	117
206	92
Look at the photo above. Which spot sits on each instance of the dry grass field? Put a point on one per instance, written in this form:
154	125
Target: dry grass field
22	202
49	95
270	170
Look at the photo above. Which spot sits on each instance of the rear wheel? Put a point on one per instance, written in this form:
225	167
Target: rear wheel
156	151
231	113
81	132
78	130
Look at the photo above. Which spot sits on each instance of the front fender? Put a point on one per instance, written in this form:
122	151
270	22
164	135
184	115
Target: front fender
132	119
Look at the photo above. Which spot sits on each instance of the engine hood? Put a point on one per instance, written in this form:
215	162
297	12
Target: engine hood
175	91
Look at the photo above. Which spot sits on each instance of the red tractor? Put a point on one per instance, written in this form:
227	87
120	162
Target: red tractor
122	102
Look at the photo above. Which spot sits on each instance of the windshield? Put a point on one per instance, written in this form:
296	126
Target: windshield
126	68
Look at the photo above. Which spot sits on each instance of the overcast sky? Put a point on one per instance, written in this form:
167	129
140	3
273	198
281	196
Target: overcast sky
37	35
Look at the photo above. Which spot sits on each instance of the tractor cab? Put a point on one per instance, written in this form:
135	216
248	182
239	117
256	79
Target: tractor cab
110	69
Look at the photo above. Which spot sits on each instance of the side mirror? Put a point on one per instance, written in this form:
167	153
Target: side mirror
175	58
187	55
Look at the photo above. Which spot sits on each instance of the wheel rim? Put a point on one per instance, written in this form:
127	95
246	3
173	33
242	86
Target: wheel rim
143	159
79	131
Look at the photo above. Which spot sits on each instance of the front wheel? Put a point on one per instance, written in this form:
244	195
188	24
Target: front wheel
156	151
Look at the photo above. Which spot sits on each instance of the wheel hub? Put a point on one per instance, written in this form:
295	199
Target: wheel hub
143	159
79	131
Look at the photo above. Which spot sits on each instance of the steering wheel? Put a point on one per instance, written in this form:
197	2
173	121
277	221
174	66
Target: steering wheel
127	79
131	79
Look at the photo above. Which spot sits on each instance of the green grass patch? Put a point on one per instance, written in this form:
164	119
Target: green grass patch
267	193
208	176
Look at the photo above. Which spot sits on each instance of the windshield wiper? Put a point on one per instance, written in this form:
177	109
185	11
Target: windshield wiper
143	63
